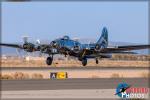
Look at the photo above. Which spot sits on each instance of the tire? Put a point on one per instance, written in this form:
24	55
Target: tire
49	60
97	61
84	61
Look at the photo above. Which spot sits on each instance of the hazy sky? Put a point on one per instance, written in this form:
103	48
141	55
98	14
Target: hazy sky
126	21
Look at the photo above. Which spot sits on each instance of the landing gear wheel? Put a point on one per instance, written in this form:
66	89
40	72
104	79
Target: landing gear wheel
49	60
97	61
84	61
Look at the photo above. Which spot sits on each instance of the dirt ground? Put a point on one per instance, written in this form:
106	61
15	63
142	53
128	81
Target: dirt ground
117	60
40	62
73	63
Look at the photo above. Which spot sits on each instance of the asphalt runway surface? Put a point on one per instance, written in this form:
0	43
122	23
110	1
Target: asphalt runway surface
66	89
53	84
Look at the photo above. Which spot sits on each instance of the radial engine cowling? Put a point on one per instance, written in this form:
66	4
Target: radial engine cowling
76	48
97	47
54	44
29	47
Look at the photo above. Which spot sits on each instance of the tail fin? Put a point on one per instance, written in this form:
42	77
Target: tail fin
103	40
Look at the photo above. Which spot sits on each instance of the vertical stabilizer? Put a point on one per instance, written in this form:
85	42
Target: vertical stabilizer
103	40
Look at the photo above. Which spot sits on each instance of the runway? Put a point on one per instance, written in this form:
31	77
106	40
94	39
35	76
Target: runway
68	89
49	84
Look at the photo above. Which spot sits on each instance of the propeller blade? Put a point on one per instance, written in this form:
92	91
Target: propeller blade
38	41
19	52
25	39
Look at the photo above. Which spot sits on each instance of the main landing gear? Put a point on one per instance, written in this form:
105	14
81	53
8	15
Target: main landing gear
84	61
49	60
97	61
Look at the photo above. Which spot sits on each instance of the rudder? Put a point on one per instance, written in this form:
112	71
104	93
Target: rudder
103	40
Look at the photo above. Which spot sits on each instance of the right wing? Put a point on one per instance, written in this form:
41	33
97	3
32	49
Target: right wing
11	45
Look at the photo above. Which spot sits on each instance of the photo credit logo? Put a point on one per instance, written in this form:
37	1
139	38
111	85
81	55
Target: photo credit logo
125	90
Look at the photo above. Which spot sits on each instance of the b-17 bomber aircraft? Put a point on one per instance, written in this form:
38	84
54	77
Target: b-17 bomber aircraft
74	48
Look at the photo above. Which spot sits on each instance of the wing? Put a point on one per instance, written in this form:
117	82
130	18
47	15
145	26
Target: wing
120	49
106	52
43	48
103	52
12	45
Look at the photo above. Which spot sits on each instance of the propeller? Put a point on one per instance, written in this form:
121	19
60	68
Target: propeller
19	50
25	39
27	46
38	42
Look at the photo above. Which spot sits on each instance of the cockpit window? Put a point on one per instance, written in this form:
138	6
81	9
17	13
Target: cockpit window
66	38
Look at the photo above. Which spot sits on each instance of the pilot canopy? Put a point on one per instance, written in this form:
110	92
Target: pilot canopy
66	38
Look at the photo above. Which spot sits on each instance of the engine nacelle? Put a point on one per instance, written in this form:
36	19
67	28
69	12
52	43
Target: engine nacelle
54	44
76	48
97	47
29	47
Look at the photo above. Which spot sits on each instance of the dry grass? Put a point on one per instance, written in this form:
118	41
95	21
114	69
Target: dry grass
73	63
77	74
94	76
131	57
115	75
37	76
6	77
145	75
21	75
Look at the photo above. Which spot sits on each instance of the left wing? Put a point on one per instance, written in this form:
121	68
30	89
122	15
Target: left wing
105	52
124	48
